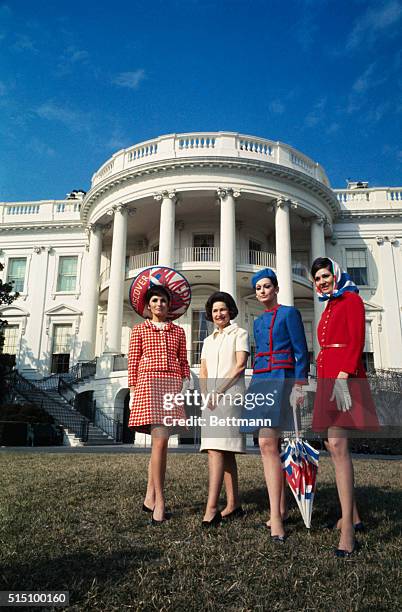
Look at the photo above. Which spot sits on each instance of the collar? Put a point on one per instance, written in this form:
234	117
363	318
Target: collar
168	326
226	330
272	309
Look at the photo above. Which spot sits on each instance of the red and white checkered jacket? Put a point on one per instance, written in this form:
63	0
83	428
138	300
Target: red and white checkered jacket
157	350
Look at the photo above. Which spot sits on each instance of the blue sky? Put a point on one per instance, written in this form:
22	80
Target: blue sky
81	79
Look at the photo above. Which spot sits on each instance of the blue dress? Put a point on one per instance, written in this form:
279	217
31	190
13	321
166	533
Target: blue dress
281	360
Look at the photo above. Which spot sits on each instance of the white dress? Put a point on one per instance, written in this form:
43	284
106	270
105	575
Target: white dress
219	351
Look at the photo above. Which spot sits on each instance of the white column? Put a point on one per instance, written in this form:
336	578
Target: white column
317	250
284	252
388	247
228	240
116	284
166	227
90	293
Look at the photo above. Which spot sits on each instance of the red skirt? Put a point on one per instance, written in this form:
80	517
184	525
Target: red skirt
362	415
153	401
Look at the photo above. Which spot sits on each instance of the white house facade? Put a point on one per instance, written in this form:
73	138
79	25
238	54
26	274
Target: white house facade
217	207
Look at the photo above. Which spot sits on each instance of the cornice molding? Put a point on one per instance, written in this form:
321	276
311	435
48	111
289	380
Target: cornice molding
29	227
378	213
245	165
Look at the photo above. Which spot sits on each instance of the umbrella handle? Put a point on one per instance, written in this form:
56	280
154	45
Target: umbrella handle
295	422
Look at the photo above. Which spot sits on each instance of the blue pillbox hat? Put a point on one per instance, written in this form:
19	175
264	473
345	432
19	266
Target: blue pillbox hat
265	273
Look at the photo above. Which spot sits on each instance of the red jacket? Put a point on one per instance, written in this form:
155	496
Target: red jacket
342	322
157	350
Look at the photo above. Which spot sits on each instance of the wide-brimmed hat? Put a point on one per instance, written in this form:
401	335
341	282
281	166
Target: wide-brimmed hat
175	284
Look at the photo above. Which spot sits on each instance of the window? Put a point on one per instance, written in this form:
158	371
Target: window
11	337
356	265
67	276
368	352
199	331
16	273
61	348
254	249
203	247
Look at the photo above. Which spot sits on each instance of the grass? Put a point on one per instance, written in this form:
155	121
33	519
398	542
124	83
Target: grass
73	522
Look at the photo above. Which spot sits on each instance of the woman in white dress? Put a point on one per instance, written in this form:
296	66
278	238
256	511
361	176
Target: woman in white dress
223	362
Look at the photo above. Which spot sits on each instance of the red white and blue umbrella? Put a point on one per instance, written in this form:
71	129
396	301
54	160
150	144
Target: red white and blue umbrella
300	463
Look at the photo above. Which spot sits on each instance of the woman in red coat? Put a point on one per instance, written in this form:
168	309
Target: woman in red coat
157	365
343	400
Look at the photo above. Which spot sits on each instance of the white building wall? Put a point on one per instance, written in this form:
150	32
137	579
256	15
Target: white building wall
44	231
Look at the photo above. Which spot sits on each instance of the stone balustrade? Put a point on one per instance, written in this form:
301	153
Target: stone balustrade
216	144
369	197
203	255
46	210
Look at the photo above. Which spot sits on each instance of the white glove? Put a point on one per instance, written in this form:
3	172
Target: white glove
130	403
185	386
297	396
341	394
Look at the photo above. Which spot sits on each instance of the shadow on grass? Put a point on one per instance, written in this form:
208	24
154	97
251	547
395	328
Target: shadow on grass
375	503
77	573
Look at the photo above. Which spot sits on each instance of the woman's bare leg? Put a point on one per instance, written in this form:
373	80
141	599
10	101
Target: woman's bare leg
216	470
160	438
231	483
268	441
340	455
356	514
149	500
283	503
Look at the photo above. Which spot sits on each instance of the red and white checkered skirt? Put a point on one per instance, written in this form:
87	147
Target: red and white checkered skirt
148	403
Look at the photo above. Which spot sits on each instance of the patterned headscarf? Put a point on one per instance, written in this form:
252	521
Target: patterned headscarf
342	283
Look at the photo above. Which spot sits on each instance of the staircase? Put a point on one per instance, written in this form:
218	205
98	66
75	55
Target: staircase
45	394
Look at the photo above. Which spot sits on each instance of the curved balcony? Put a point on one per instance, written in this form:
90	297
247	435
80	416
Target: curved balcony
209	144
190	257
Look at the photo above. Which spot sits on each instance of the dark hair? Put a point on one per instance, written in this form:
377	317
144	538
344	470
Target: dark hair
226	298
157	290
321	262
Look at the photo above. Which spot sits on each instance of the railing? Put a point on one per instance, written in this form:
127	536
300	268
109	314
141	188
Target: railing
256	146
43	210
81	370
197	142
27	209
63	414
198	254
119	363
256	258
142	260
394	195
299	269
189	255
224	144
377	196
66	390
111	427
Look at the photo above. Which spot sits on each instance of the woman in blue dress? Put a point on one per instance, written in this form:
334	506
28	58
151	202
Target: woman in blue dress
279	372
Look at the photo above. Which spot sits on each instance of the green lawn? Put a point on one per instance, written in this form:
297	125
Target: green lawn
73	522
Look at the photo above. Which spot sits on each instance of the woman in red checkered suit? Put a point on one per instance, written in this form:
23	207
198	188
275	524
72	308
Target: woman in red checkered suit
157	365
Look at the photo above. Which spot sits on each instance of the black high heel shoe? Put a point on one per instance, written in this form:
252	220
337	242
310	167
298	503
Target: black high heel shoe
168	515
155	522
344	554
278	539
236	513
214	522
